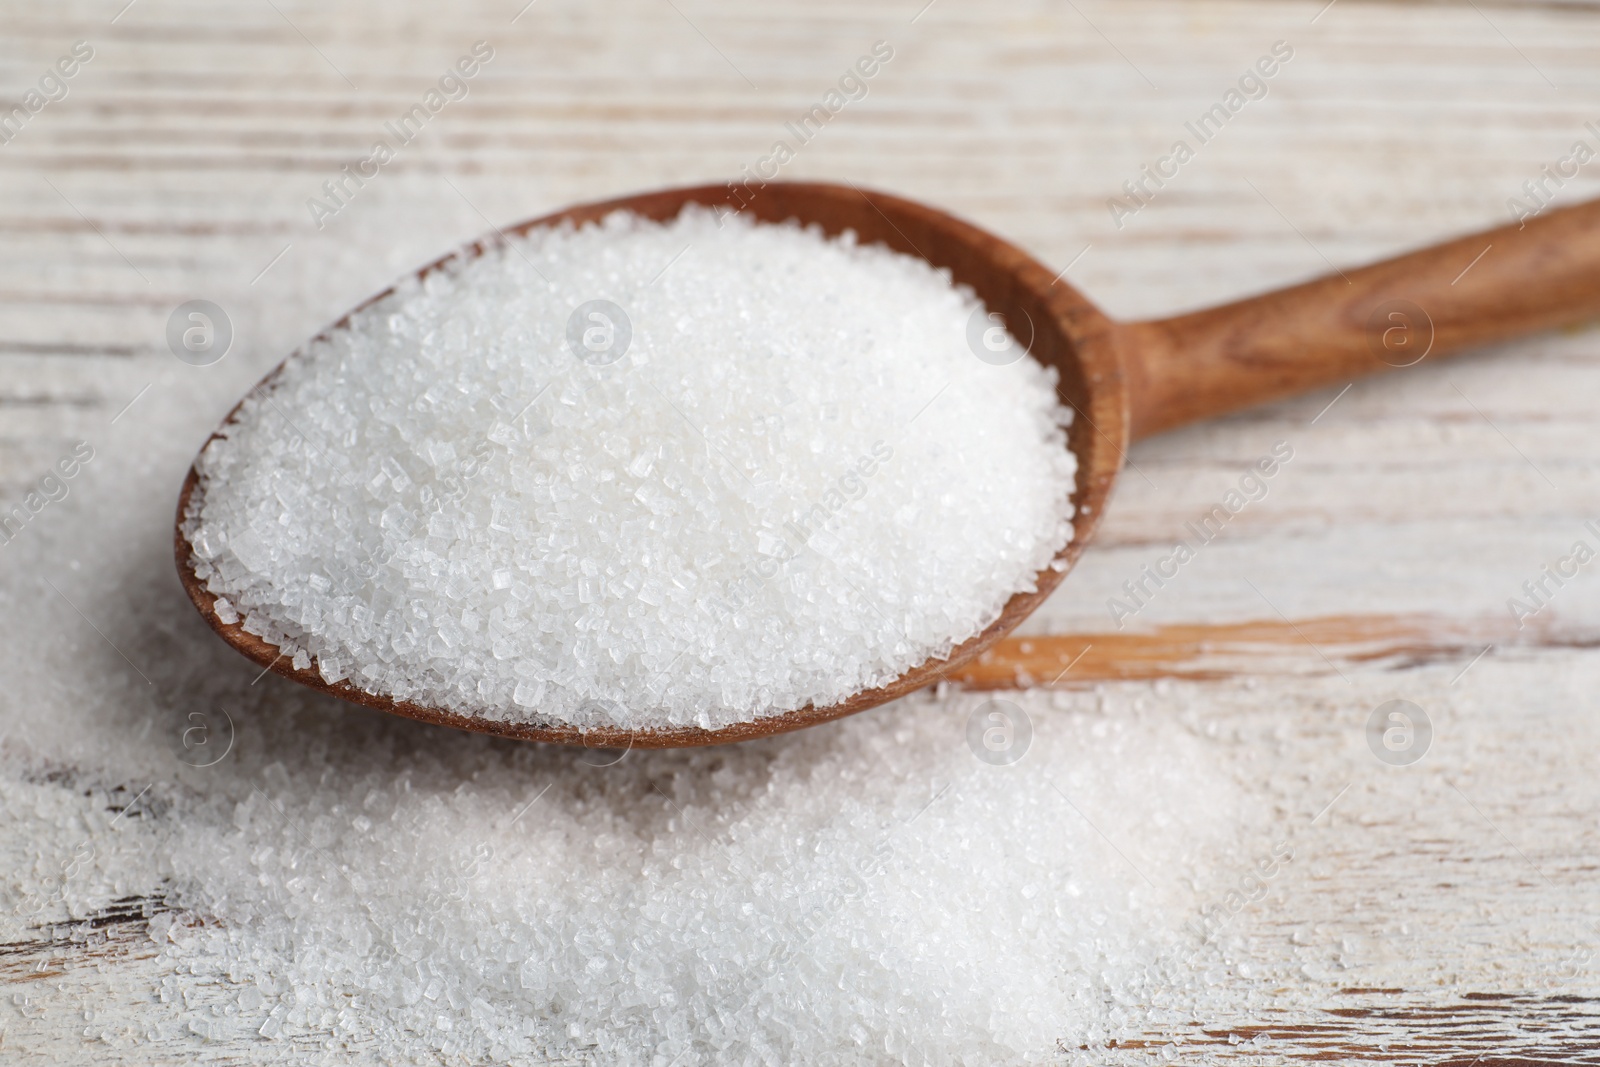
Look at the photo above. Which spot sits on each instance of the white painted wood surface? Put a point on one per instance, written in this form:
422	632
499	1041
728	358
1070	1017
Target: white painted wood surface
1442	913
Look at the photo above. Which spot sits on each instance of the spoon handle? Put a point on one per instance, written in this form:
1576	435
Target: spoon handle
1434	302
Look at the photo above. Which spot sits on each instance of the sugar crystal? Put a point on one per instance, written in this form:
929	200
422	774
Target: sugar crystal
699	471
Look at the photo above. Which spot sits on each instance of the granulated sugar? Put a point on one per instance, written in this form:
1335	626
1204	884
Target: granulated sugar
778	477
313	883
864	893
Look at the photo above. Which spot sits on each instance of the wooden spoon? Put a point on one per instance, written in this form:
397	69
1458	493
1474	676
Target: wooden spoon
1125	380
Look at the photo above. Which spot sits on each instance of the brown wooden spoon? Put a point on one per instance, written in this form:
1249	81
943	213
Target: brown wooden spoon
1125	380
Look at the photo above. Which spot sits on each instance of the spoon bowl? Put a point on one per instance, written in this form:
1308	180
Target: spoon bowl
1122	380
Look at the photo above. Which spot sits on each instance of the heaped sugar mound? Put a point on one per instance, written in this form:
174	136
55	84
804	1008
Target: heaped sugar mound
638	474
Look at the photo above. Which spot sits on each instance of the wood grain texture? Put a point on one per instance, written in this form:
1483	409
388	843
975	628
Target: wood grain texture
1257	648
1435	302
1418	930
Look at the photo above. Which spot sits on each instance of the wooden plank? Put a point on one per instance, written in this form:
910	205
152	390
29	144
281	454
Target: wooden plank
1437	917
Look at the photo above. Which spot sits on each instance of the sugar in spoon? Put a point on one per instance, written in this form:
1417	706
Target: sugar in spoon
1125	380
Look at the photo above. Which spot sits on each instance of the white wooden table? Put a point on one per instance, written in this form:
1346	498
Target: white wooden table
1440	913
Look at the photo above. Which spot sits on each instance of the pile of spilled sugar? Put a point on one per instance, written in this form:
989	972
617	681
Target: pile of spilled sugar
864	893
764	471
335	886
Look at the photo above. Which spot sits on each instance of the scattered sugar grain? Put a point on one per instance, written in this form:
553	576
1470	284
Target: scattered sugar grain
796	483
867	893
